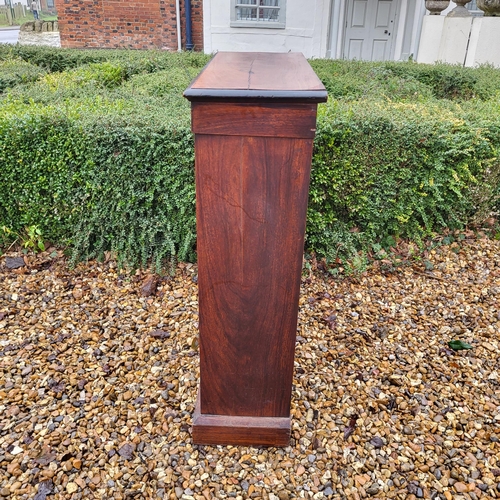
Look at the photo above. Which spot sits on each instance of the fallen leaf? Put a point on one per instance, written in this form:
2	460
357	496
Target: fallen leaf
148	288
429	266
458	345
331	321
45	459
159	334
350	428
44	488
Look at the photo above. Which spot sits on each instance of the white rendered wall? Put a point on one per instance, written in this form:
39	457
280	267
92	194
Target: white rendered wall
468	41
430	39
305	31
484	45
455	39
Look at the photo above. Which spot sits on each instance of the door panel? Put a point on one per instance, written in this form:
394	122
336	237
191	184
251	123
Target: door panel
369	31
355	49
359	14
384	10
379	50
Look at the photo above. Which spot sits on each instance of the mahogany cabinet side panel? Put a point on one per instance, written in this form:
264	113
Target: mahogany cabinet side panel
257	120
251	208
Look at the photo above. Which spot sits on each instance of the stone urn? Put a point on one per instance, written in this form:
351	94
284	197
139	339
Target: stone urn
491	8
435	7
460	10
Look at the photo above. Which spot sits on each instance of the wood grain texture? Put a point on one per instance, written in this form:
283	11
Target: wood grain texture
251	208
258	71
243	431
257	74
257	120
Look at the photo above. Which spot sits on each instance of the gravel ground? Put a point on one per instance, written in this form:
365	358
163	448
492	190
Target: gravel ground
98	376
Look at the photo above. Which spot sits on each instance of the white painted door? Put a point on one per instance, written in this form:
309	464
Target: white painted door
370	29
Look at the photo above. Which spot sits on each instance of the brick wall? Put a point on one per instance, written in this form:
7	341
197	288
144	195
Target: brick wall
145	24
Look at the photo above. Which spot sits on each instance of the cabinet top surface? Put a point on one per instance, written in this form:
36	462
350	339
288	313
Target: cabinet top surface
257	75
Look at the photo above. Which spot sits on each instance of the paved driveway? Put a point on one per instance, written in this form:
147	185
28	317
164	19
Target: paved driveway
9	35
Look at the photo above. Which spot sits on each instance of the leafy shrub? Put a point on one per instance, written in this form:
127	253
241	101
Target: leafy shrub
160	84
16	71
396	170
100	184
96	153
133	61
399	81
445	81
103	74
147	211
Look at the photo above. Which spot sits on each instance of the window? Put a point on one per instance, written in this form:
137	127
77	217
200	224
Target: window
473	9
258	13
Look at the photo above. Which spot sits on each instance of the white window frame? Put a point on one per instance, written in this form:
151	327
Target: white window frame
280	24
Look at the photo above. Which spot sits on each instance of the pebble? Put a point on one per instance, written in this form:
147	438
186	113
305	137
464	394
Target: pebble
373	489
71	488
377	442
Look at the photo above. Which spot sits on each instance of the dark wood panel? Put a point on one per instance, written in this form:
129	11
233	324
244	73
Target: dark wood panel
210	95
258	71
264	120
251	207
243	431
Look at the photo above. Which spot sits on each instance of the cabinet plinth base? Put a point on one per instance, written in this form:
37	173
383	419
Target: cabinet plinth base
245	431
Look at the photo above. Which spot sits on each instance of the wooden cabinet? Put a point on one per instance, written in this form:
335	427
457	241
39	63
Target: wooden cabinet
254	120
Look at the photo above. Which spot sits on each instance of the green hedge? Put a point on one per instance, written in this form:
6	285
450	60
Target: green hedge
388	170
100	185
101	159
15	71
96	151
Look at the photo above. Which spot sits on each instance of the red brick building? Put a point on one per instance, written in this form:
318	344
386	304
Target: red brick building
145	24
